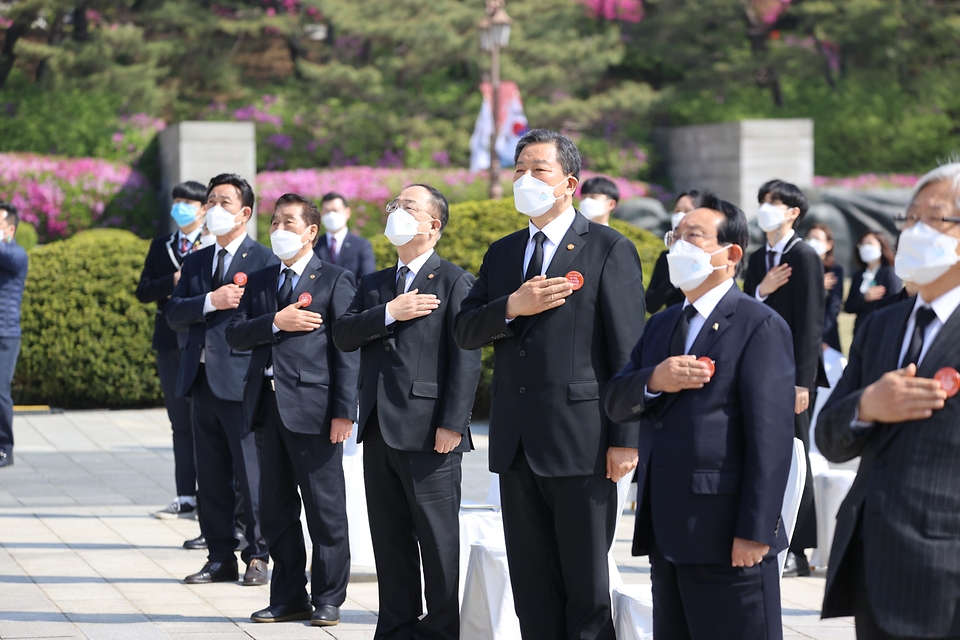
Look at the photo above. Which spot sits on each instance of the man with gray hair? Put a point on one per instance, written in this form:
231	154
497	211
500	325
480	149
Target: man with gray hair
895	560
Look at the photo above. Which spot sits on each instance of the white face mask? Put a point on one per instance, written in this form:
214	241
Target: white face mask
770	217
334	221
220	222
402	228
592	208
286	244
870	252
675	219
690	265
533	197
818	245
208	240
924	254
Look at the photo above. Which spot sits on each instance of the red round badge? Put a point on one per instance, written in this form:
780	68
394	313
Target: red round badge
575	278
305	299
240	279
711	365
949	379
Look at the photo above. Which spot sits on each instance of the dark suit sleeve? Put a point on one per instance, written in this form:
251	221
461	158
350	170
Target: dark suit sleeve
834	299
660	286
368	263
358	327
481	320
767	399
810	303
246	331
346	366
622	308
183	309
154	286
836	438
753	276
887	276
463	368
624	398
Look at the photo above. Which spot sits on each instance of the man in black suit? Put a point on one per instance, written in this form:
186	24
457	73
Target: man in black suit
715	447
300	399
895	559
556	345
212	374
788	277
414	417
161	272
340	247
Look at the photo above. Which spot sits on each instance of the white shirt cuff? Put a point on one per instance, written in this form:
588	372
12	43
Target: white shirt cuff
387	318
276	329
859	425
207	305
509	320
758	296
650	396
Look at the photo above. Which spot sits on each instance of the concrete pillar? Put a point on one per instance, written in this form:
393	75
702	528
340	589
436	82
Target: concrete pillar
201	150
733	159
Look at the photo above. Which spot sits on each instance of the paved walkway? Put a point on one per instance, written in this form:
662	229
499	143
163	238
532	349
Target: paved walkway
80	556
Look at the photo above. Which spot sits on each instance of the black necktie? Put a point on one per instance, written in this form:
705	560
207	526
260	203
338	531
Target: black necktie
771	256
925	315
283	296
402	280
218	274
678	344
536	260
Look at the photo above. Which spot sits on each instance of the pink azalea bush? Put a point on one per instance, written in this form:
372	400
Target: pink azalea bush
869	181
61	196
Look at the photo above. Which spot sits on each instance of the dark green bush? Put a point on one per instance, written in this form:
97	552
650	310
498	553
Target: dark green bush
86	338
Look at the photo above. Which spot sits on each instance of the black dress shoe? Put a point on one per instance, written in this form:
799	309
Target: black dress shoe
796	566
325	615
6	459
283	612
214	572
256	573
196	543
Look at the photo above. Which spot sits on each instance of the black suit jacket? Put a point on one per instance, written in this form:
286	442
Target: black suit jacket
906	497
225	367
412	372
661	292
551	368
801	302
356	255
831	330
886	277
315	382
717	458
156	285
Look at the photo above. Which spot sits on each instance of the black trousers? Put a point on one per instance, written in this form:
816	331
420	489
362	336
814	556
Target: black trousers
9	350
289	460
413	501
225	452
181	421
558	532
715	601
805	532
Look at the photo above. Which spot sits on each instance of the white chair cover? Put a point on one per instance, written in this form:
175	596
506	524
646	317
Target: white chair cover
487	610
791	497
830	487
633	612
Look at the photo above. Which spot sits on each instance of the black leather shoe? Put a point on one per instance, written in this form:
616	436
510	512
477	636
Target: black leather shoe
256	573
214	572
796	566
6	459
196	543
283	612
325	615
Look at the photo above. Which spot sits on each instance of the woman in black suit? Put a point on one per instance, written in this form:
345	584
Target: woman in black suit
875	282
820	237
661	292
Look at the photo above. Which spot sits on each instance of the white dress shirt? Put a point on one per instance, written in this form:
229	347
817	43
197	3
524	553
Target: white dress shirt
191	237
415	265
944	306
777	255
555	230
339	236
227	260
298	268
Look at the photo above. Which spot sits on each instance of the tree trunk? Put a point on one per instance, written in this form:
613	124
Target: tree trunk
7	57
81	26
53	39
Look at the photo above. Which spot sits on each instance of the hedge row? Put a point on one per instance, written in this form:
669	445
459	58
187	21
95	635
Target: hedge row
86	339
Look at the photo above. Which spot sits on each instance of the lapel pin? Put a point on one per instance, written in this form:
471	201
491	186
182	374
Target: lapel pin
570	247
244	255
716	325
312	276
429	276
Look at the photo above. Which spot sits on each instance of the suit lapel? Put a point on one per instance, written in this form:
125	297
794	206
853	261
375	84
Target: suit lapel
238	263
172	250
717	323
945	350
894	333
273	283
423	279
388	286
309	277
206	267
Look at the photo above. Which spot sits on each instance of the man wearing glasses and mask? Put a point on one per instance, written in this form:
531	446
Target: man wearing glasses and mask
895	559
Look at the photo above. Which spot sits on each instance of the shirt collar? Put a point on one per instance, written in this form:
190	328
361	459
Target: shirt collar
233	246
417	263
706	303
782	243
299	266
339	235
556	228
191	237
944	306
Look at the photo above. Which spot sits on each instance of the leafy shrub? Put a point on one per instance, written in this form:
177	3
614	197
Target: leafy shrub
473	226
26	235
86	338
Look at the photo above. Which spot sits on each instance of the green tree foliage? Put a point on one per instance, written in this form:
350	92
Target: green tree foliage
86	338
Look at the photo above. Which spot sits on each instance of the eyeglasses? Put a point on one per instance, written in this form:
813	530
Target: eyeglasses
406	205
937	220
692	236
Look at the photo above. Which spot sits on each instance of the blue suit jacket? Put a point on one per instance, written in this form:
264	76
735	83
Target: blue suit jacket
716	458
356	255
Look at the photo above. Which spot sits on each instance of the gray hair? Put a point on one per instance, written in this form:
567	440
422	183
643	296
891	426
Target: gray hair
567	153
949	172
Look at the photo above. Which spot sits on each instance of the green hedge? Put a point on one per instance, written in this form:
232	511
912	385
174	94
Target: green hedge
86	338
473	226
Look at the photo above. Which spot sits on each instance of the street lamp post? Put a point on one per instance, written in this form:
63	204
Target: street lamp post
494	35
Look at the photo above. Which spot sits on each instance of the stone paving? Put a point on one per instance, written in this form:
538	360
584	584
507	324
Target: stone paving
81	557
